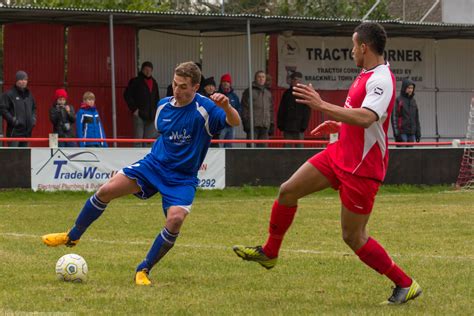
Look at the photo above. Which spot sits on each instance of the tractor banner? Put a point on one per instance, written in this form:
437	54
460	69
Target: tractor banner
327	63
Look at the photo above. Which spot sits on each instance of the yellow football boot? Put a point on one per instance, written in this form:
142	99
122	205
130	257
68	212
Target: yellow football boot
58	239
401	295
141	278
255	254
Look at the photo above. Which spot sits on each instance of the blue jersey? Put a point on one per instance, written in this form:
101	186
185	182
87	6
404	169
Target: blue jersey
186	133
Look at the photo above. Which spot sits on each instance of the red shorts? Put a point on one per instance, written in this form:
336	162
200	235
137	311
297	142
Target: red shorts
357	193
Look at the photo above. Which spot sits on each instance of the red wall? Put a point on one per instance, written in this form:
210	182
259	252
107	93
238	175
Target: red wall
89	70
37	49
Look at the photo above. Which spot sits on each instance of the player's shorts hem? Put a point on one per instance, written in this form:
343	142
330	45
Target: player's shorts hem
353	209
325	168
186	208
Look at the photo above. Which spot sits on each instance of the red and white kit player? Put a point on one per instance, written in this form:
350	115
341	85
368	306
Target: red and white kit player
355	165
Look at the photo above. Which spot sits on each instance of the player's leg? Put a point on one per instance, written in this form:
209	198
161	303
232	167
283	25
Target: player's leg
118	186
307	179
357	201
177	203
353	225
94	207
162	244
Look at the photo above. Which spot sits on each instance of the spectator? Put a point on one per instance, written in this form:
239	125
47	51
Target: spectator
405	119
142	96
268	81
88	124
263	113
209	88
18	107
293	117
226	89
62	117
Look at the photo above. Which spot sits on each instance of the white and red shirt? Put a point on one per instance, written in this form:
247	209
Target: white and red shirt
364	151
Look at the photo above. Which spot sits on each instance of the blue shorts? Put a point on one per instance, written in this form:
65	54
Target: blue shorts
176	190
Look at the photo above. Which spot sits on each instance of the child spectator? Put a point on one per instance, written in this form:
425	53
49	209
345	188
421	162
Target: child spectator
62	117
88	124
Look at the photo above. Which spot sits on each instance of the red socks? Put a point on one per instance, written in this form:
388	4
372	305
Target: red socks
375	256
280	220
372	253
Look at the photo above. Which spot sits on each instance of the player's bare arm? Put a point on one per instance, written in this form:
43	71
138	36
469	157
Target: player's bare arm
232	116
307	95
327	127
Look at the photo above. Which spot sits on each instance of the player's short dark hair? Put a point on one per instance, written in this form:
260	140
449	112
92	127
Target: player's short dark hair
189	69
373	34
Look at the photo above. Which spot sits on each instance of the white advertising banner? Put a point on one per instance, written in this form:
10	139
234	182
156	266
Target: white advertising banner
87	169
327	62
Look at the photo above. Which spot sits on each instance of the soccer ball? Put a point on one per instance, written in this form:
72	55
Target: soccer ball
71	268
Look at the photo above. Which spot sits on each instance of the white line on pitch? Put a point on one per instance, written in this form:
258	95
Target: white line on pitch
304	251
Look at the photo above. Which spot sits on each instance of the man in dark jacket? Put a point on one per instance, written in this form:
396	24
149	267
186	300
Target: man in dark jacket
262	109
405	119
293	117
18	108
142	96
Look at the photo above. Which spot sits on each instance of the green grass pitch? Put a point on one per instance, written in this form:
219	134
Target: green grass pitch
428	231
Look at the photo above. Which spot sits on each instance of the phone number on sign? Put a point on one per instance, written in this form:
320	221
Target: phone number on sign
207	183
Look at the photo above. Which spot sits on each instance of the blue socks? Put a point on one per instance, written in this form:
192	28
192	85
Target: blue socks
163	243
93	209
90	212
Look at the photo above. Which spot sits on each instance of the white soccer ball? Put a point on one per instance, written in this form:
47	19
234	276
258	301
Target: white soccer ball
71	268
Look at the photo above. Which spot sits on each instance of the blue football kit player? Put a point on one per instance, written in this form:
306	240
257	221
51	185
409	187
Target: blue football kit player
186	121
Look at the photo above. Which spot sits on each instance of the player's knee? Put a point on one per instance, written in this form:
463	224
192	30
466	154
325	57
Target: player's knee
104	193
350	237
286	193
354	239
174	220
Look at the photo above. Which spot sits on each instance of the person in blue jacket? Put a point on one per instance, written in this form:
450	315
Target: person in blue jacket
88	123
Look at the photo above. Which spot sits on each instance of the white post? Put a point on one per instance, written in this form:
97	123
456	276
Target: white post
249	48
370	10
112	68
53	140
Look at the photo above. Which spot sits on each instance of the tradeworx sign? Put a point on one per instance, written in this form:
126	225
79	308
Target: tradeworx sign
89	168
